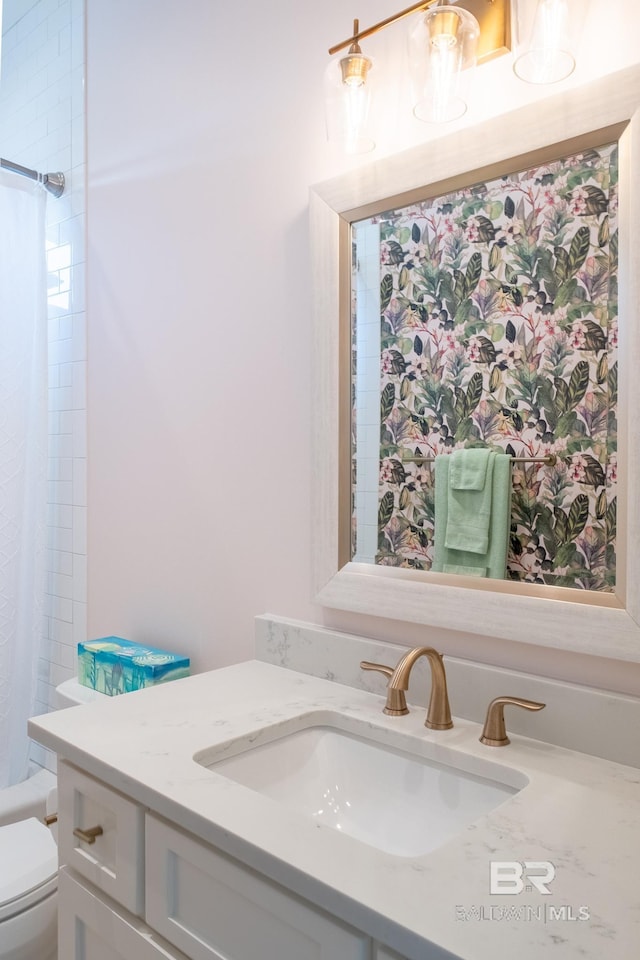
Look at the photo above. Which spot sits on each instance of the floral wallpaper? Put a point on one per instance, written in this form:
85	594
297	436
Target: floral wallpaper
499	328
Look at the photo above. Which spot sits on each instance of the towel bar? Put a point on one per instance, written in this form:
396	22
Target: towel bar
550	461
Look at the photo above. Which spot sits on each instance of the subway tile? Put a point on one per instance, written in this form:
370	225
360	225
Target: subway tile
59	20
61	446
61	398
77	44
80	530
79	622
79	433
79	336
66	421
61	562
46	52
77	140
60	210
71	234
64	40
65	378
60	586
53	329
59	515
46	101
58	674
79	385
34	85
60	492
57	144
61	632
57	69
79	579
42	671
61	608
53	420
60	469
62	655
61	538
65	325
79	483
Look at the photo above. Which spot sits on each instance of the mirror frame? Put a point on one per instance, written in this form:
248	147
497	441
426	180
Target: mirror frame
605	625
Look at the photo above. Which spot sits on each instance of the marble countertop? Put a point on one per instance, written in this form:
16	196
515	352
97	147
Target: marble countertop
578	812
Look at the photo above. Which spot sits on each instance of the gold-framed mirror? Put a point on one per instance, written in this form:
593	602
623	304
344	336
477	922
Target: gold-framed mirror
602	621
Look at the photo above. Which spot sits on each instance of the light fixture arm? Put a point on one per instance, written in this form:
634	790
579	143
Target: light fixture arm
362	34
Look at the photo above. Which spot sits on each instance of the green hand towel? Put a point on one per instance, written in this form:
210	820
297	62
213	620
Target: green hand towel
494	562
469	508
463	571
468	468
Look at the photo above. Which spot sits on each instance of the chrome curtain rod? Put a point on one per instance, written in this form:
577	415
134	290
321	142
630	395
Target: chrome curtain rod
53	182
549	461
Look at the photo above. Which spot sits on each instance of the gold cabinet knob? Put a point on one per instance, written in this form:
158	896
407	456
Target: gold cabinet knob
89	835
495	732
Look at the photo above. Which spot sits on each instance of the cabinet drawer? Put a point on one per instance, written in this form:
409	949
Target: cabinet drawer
210	906
114	862
89	929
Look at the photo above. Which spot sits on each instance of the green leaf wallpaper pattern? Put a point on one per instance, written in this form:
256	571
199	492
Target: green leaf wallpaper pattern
499	328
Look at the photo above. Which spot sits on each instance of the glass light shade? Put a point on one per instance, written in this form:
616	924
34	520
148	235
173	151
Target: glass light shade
545	56
442	54
348	89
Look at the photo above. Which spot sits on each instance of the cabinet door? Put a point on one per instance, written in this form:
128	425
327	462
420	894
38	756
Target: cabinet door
114	861
89	929
383	953
214	908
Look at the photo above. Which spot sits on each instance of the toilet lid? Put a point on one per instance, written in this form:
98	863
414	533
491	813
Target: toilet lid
28	865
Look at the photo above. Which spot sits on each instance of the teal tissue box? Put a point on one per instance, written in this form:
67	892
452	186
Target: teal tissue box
112	665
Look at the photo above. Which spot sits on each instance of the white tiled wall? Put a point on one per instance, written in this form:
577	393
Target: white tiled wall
367	280
42	127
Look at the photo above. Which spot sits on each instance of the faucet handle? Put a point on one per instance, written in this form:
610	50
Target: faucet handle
396	705
494	733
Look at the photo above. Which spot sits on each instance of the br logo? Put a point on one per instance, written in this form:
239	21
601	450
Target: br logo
511	876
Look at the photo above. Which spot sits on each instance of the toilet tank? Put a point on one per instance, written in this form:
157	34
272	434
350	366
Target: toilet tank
71	693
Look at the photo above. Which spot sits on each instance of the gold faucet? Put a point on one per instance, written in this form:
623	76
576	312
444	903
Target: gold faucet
438	712
494	733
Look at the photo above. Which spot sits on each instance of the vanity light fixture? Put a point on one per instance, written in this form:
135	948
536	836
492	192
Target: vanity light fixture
446	40
546	56
348	89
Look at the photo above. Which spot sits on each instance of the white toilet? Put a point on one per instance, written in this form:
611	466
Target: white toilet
28	872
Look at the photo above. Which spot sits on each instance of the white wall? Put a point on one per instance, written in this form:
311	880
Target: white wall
42	127
205	130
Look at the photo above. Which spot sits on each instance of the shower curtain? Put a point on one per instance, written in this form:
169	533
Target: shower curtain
23	460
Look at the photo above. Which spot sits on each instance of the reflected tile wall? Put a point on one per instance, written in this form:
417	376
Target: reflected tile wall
42	127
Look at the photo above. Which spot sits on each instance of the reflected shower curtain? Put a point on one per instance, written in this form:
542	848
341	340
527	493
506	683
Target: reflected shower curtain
23	452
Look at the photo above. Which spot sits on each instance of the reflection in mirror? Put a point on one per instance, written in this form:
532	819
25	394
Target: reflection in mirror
487	318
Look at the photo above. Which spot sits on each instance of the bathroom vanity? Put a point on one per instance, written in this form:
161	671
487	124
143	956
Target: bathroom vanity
165	856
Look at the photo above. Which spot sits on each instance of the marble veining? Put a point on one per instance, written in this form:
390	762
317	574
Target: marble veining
580	718
577	812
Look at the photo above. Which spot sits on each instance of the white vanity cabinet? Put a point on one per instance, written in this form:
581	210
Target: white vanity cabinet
145	889
112	855
216	909
91	927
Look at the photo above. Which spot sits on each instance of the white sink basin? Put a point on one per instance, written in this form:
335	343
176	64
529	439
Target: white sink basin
398	802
